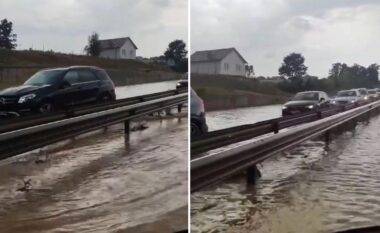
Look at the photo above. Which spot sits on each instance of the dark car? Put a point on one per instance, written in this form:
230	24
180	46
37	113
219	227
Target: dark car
58	88
198	115
305	102
183	83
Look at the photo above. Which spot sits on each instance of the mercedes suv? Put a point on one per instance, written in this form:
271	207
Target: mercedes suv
58	88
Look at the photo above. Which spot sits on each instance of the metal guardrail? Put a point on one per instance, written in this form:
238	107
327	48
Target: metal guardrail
214	168
26	139
224	137
28	121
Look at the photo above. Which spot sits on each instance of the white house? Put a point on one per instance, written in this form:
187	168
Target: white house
119	48
219	61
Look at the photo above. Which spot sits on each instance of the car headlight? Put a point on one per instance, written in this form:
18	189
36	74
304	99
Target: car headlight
352	101
26	98
284	107
366	97
310	106
333	102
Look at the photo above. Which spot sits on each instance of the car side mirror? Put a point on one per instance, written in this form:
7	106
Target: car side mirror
65	84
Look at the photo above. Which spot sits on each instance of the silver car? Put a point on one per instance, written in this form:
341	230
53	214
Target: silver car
348	97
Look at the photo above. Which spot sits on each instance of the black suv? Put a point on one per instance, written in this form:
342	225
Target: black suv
58	88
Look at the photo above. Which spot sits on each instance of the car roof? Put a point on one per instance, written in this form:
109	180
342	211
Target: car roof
309	92
349	90
73	67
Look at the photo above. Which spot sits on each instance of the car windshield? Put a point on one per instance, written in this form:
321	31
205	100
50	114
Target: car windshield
346	93
363	92
45	77
306	96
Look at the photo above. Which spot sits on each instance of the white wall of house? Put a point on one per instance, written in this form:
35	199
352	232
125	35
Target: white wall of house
205	67
127	51
232	64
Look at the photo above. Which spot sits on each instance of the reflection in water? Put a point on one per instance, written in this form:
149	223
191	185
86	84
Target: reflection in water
143	89
309	189
234	117
96	185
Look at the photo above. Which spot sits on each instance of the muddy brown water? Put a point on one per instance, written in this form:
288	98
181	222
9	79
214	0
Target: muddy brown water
101	184
312	188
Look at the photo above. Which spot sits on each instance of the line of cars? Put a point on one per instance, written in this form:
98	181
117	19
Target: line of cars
302	102
315	100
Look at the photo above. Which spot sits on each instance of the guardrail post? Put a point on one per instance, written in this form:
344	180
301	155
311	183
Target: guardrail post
327	137
319	114
276	127
126	130
179	108
253	173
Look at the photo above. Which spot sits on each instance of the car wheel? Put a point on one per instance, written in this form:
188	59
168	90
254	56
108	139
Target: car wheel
195	130
46	107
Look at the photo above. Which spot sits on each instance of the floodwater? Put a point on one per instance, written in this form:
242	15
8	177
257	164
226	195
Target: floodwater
234	117
312	188
144	89
100	183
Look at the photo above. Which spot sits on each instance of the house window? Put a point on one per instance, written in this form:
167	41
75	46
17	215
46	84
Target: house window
123	52
226	66
238	67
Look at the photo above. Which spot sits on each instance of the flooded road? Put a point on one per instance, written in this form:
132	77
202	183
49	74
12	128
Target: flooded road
99	184
312	188
144	89
234	117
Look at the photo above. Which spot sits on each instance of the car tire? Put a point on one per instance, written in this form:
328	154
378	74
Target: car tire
195	130
46	107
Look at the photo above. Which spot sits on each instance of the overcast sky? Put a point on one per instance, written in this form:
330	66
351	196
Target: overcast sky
64	25
264	31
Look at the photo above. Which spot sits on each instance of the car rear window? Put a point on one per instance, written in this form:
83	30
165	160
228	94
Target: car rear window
346	93
87	76
102	75
306	96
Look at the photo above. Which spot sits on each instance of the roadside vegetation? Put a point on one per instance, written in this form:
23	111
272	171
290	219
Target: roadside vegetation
341	76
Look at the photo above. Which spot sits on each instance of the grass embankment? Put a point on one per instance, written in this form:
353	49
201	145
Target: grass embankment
17	66
221	92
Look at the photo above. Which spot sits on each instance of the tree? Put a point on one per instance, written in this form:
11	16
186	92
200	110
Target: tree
7	37
93	47
294	69
293	66
176	54
336	72
373	74
249	70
